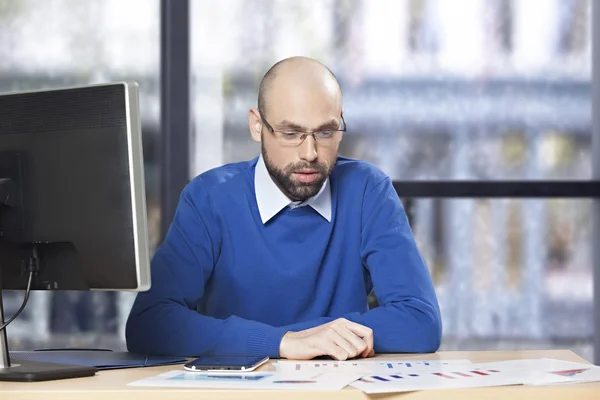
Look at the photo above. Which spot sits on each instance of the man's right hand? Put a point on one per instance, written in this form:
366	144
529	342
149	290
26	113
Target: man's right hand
340	339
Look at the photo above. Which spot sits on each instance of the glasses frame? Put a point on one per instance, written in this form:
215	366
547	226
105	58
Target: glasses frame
304	133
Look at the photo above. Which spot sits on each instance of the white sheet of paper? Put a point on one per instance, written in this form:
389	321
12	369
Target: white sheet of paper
580	375
449	377
251	380
365	366
576	372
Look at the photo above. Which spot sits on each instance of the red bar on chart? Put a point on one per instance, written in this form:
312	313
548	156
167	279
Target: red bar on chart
462	374
479	373
443	375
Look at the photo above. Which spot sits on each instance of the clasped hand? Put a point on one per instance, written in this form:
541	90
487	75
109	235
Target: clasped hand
340	339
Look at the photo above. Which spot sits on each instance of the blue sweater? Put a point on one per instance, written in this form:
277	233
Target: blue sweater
224	283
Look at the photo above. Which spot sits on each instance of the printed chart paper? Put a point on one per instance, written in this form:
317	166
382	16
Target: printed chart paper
251	380
576	372
448	378
365	366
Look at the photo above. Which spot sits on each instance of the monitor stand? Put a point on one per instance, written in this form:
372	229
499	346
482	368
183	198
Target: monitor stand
33	371
30	371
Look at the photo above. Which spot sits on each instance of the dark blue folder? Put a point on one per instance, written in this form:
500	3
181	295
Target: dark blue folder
101	359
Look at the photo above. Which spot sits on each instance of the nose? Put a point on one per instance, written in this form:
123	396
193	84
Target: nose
308	149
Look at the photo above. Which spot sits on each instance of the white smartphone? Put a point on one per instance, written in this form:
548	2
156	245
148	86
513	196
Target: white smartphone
225	363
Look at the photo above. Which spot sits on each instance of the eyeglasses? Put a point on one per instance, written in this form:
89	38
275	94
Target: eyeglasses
293	138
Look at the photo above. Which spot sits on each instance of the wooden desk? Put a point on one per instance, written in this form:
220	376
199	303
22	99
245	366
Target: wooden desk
111	385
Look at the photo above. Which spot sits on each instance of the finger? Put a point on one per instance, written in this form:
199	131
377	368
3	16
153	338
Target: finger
358	329
358	343
362	331
334	351
337	336
367	353
340	354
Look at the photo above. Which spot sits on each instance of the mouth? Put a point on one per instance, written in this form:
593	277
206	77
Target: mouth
306	176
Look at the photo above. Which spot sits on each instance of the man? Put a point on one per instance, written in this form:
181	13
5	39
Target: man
276	256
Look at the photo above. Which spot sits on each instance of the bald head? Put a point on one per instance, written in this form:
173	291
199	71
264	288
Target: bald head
297	76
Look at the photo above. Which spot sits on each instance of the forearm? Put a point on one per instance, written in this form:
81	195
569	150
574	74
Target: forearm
172	329
300	326
411	326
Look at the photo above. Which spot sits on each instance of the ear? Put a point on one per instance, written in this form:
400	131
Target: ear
255	124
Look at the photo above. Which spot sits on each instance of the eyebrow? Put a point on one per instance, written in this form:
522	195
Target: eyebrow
285	124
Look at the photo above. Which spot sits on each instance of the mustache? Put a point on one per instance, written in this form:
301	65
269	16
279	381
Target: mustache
300	166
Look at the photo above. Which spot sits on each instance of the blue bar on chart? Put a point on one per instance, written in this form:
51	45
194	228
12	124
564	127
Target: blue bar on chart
379	378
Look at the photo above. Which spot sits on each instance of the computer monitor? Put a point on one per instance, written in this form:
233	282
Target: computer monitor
72	199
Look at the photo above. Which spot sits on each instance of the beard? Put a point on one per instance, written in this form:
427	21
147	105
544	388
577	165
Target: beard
296	190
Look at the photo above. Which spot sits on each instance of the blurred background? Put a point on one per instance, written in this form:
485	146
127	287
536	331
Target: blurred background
490	90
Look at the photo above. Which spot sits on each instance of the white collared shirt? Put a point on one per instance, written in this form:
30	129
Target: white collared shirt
271	200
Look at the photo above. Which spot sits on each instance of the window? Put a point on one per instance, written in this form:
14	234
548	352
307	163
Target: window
492	90
50	44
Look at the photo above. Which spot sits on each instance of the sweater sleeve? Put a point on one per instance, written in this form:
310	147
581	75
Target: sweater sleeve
164	320
408	317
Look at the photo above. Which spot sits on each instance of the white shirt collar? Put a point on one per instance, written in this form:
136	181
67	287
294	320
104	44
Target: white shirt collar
271	200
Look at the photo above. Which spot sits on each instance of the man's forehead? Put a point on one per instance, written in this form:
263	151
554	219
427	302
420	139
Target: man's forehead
299	111
308	98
